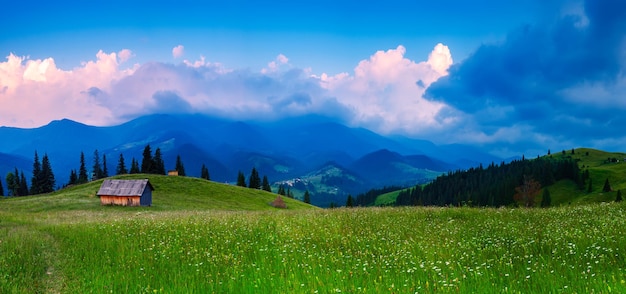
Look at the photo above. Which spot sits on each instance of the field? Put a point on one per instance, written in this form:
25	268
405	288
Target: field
79	248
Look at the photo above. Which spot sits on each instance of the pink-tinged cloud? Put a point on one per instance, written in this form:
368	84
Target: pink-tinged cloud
386	90
383	93
34	92
178	51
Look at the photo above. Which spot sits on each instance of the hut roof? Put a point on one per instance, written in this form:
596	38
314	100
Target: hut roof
124	187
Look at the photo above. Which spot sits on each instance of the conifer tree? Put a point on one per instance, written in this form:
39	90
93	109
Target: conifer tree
1	189
158	166
47	175
266	184
147	162
607	186
36	181
82	171
546	200
134	167
281	190
73	177
121	166
307	197
96	171
179	166
105	170
350	201
204	173
241	179
618	198
254	181
23	190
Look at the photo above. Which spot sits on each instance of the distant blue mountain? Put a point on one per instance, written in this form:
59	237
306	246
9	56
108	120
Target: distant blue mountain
282	150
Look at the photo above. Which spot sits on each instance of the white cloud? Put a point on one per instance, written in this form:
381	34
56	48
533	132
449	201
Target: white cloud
178	51
383	93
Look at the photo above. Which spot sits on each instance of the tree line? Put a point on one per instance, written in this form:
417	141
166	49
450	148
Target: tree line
512	183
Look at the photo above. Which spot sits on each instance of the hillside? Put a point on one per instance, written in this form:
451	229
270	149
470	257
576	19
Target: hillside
171	193
601	165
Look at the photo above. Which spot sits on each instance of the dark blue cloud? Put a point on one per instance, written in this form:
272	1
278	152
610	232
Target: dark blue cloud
529	78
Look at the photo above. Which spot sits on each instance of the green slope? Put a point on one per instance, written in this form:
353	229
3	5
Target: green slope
171	193
566	192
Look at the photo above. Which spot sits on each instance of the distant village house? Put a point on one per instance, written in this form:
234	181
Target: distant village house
126	192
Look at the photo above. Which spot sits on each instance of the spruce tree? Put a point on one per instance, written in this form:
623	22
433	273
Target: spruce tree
47	175
1	189
254	181
146	162
73	177
105	170
546	200
121	166
349	202
281	190
179	166
241	179
37	180
618	198
134	167
23	190
607	186
266	184
589	187
82	171
204	173
307	197
96	171
158	166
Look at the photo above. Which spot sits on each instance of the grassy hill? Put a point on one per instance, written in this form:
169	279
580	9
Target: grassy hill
171	193
602	165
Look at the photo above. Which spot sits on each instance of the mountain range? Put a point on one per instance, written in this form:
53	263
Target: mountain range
352	160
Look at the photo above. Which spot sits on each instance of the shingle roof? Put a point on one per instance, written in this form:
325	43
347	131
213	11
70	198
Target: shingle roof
124	187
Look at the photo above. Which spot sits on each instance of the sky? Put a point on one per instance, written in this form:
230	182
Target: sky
513	78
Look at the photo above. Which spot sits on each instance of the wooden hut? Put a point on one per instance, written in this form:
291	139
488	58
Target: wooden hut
126	192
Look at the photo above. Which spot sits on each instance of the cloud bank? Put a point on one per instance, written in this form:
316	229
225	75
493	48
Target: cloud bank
384	91
559	84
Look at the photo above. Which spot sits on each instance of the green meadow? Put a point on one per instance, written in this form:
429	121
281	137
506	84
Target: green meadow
204	237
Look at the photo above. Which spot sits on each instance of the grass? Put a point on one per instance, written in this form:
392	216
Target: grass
188	248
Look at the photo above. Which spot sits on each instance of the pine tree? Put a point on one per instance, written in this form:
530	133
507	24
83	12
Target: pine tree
47	175
134	167
36	180
546	200
254	181
23	190
1	189
180	167
204	173
349	202
73	178
241	179
82	171
266	185
105	170
158	166
607	186
281	190
307	197
146	162
618	198
121	166
589	187
96	171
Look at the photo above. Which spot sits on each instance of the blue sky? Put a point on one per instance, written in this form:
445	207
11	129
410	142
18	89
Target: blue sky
511	77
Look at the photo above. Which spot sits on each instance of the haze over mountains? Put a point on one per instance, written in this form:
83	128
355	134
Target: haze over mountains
283	150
